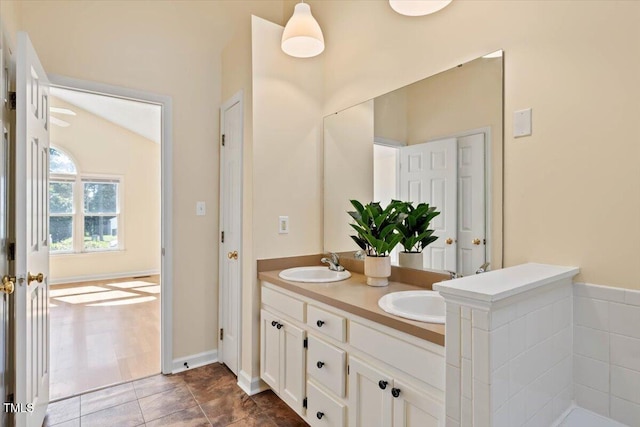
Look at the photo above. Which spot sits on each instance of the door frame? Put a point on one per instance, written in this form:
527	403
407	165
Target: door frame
166	184
238	97
488	188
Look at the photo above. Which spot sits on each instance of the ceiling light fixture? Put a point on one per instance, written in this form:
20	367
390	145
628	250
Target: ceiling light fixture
418	7
302	36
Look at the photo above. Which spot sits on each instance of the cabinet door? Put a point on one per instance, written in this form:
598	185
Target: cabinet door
370	401
292	366
415	408
269	350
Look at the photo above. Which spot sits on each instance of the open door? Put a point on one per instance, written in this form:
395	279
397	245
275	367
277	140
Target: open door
32	237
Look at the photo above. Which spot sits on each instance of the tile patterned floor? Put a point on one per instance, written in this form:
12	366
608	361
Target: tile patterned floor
206	396
102	333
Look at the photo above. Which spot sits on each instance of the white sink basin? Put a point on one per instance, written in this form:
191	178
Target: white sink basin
318	274
424	306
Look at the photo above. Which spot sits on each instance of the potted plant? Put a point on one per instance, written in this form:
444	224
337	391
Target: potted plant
416	235
377	236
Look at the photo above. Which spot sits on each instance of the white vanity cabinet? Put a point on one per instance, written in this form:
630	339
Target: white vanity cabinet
353	372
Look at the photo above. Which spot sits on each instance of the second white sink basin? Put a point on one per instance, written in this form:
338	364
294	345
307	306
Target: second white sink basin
424	306
317	274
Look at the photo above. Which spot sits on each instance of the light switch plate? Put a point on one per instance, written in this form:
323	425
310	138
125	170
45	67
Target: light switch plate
201	208
522	123
283	225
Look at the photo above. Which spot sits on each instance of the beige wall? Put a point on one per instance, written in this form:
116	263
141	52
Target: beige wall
574	63
170	48
100	147
390	116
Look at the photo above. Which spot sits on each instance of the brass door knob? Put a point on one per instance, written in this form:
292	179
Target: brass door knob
232	255
8	285
476	242
37	277
449	241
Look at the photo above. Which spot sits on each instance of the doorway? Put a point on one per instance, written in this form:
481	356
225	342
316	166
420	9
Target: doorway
107	230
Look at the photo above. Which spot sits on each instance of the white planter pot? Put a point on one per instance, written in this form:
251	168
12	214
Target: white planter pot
377	269
411	260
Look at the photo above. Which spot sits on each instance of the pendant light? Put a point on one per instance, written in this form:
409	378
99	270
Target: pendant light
417	7
302	36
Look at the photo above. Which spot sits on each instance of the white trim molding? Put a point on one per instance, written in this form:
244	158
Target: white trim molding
182	364
106	276
250	385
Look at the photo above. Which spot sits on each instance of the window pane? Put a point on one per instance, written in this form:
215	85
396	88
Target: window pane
100	232
60	162
100	197
60	197
61	228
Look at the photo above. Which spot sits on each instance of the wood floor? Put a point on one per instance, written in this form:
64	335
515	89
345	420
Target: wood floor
103	333
206	396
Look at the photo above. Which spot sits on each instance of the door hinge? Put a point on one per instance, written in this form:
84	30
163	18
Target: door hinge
222	236
11	252
12	101
304	402
162	251
348	369
305	343
10	398
223	139
221	334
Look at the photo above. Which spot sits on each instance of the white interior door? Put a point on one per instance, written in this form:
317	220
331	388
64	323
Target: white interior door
32	236
428	175
231	226
471	203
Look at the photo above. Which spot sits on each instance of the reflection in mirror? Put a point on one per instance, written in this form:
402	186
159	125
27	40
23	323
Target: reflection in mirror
437	141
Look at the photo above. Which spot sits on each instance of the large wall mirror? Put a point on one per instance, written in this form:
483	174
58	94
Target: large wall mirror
437	141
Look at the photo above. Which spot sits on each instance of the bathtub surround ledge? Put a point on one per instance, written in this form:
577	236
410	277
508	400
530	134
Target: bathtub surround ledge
509	350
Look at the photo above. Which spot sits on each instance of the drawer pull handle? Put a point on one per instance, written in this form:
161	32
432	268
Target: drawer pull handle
274	323
319	415
395	392
382	384
279	325
320	365
320	323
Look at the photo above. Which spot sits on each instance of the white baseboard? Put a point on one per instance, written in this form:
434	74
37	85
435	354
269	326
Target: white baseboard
250	385
107	276
194	361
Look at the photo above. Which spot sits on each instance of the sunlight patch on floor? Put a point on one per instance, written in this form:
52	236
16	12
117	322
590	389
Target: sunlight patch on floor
74	291
150	289
132	284
94	297
127	301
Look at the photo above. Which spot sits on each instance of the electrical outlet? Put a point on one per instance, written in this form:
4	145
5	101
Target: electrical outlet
522	123
283	225
201	208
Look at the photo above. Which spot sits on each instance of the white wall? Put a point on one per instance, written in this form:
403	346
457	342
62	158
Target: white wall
104	148
574	63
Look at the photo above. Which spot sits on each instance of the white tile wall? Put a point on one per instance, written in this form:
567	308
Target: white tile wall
607	351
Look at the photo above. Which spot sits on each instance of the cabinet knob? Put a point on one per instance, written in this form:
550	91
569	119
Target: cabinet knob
274	323
395	392
320	365
382	384
320	323
279	325
319	415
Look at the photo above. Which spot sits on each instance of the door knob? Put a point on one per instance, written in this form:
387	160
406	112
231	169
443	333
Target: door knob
476	242
449	241
232	255
8	285
35	277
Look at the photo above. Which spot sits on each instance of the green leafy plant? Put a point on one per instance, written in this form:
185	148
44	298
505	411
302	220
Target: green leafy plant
377	226
415	231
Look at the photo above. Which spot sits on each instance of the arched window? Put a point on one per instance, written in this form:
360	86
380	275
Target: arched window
84	210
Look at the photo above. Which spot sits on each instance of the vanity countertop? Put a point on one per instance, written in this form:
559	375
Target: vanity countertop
355	296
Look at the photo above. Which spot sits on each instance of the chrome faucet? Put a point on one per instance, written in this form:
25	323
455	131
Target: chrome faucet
334	262
454	275
483	268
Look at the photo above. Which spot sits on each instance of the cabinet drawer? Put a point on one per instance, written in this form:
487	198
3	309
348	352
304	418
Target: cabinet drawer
326	323
283	303
322	410
326	364
421	363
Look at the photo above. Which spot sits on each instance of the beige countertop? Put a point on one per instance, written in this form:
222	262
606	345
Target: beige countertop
355	296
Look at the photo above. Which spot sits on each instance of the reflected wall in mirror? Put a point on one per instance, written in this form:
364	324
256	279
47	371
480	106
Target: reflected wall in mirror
437	141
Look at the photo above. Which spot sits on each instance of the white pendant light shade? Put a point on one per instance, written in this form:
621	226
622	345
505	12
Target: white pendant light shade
302	35
418	7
